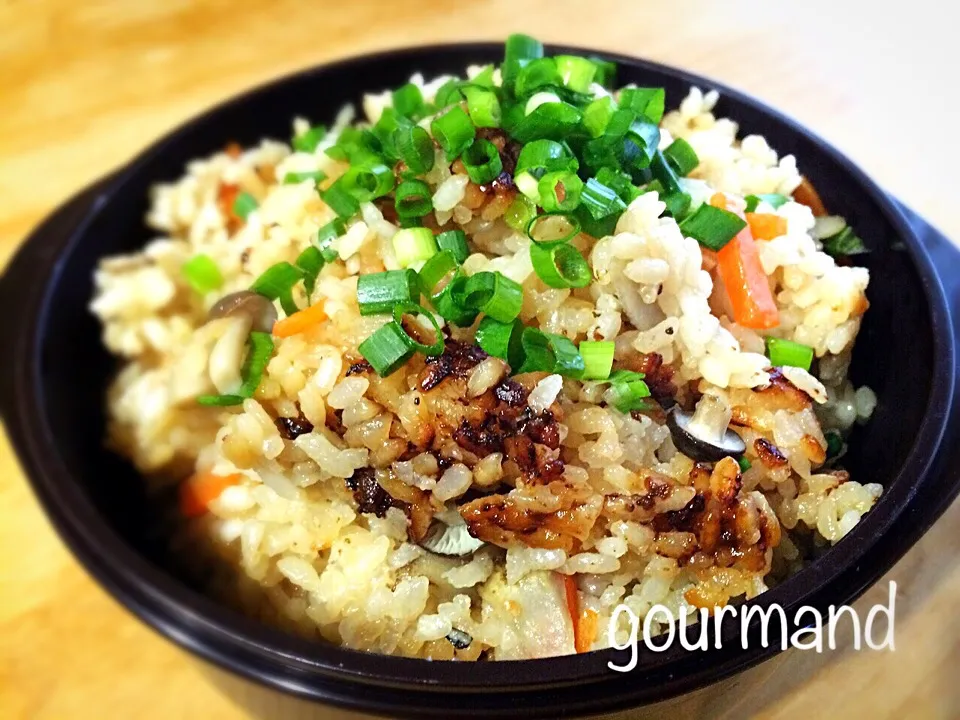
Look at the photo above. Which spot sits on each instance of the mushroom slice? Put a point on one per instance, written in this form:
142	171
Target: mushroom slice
705	435
449	535
246	303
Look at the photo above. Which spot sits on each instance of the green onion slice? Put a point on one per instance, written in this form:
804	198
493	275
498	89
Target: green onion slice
202	274
601	201
502	340
744	463
553	228
493	294
307	142
450	93
518	51
415	148
712	227
379	293
276	283
546	352
552	120
682	157
449	302
537	74
401	309
244	204
628	391
482	106
454	241
596	116
774	200
325	237
482	161
576	72
408	101
387	349
786	352
310	262
453	131
521	211
597	358
560	265
413	199
606	72
560	191
258	356
542	156
414	244
340	200
846	242
435	270
292	178
368	182
649	102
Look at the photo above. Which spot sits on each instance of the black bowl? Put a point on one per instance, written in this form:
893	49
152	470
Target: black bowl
56	370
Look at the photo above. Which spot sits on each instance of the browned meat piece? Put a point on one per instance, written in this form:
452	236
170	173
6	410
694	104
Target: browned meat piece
377	491
457	360
556	516
769	454
806	194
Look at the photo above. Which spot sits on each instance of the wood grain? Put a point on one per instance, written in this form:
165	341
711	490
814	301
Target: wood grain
84	86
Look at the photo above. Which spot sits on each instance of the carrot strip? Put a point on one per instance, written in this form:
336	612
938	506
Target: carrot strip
300	321
806	194
573	602
748	288
200	489
766	226
586	630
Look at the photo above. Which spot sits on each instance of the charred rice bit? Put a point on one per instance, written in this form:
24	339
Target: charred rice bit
346	475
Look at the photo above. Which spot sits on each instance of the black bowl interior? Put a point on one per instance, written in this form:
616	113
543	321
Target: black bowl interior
903	337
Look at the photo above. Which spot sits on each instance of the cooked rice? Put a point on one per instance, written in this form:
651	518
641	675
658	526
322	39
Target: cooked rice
292	544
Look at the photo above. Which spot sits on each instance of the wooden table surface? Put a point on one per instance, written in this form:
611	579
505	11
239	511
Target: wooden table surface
84	86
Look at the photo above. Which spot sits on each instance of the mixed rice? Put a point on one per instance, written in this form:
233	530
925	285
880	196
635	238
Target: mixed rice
490	501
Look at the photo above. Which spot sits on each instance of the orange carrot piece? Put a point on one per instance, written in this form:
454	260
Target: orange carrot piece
743	277
586	630
766	226
300	321
806	194
573	602
200	489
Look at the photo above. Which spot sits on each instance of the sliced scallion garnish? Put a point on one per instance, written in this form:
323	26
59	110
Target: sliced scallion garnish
712	227
414	244
454	241
560	191
597	358
258	355
307	142
379	293
682	157
276	283
292	178
244	204
202	273
482	161
387	349
415	148
789	353
413	199
774	200
560	265
453	131
493	294
411	308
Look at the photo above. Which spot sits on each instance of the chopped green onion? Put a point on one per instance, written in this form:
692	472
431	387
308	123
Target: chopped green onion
415	148
846	242
596	228
628	391
387	349
359	146
744	463
482	106
518	50
596	116
528	185
450	93
413	199
436	269
325	237
649	102
453	131
681	156
546	352
482	161
310	262
553	228
258	355
774	200
619	182
502	340
521	211
449	302
597	358
292	178
677	203
383	138
576	72
601	201
408	101
542	156
276	283
414	244
307	142
560	191
401	309
834	443
342	202
493	294
202	273
536	74
789	353
560	265
244	204
646	136
379	293
664	173
553	120
606	72
484	78
454	241
712	227
366	183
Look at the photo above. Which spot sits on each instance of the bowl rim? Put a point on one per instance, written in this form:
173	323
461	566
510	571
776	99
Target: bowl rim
301	666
